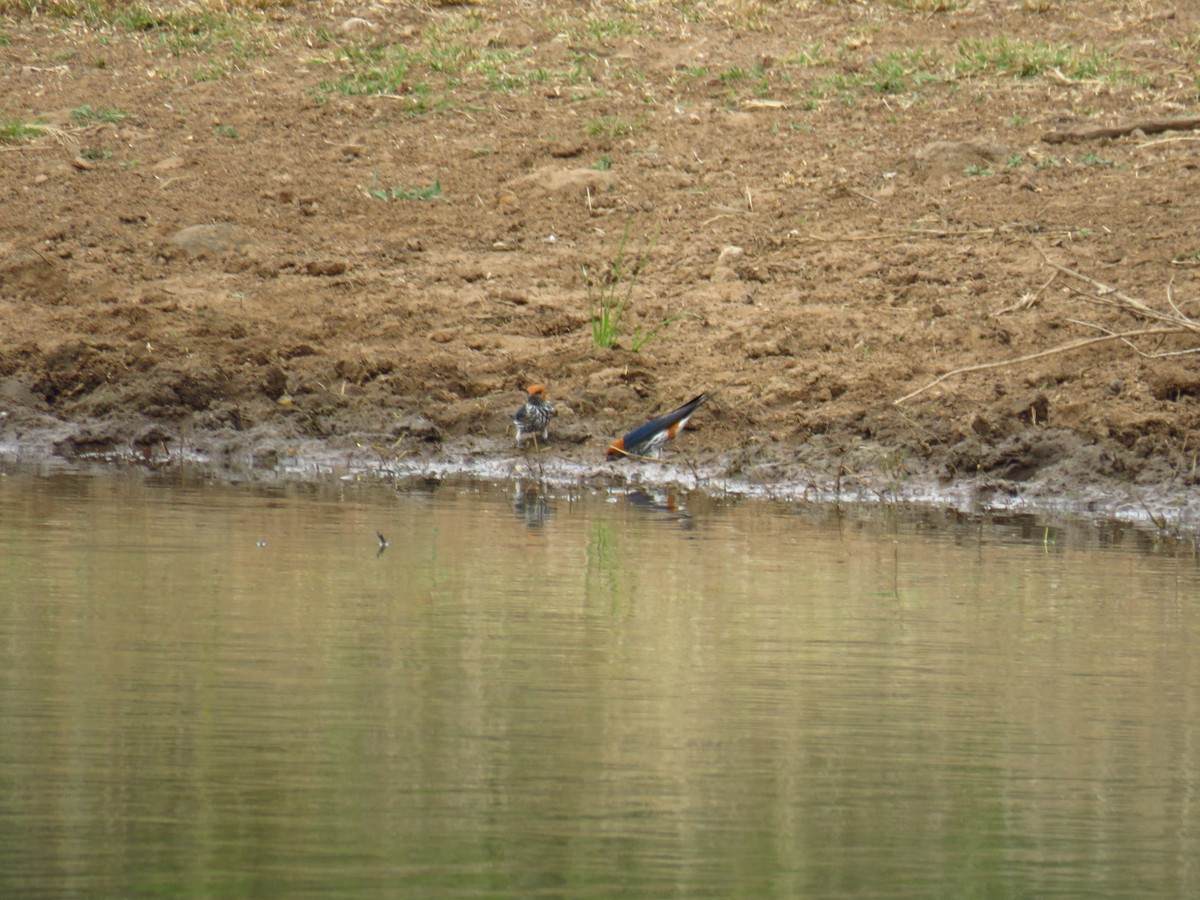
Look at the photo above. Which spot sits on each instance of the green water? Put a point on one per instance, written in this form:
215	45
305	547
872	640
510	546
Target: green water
228	690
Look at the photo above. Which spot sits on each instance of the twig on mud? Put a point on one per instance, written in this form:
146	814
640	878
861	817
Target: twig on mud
908	233
1027	301
1171	298
1062	348
1127	303
1174	322
889	235
862	194
1133	346
1170	140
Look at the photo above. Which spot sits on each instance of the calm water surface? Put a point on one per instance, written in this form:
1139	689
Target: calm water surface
227	690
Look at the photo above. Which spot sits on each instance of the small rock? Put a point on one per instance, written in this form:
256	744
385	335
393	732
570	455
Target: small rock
415	425
730	255
325	267
723	270
356	26
210	240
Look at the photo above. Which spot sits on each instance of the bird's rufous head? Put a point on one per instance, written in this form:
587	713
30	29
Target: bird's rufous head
535	390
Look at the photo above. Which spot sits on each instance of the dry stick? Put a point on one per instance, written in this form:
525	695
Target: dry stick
1182	322
1063	348
1177	325
1148	126
894	235
1134	347
1027	301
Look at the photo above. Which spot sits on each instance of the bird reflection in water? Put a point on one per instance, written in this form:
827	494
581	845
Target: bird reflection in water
529	503
658	502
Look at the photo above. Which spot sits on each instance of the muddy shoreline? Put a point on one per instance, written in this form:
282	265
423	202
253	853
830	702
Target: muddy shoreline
275	235
1069	486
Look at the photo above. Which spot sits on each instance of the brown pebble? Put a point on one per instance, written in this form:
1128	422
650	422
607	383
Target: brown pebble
325	267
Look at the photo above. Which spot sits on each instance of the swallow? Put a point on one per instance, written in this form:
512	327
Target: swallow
648	440
534	417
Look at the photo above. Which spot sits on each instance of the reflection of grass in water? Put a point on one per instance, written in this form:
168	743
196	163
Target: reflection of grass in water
603	567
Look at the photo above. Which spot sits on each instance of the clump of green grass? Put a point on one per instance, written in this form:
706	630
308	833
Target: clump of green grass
85	115
212	72
610	296
901	72
611	126
14	131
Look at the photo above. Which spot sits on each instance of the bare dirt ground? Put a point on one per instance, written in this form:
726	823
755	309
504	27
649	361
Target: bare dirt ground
368	224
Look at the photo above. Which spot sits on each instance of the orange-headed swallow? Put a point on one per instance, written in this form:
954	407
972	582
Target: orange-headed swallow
534	417
648	440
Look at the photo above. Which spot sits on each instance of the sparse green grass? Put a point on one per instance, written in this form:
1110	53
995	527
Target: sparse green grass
86	115
610	296
610	27
210	27
430	74
903	71
610	126
14	131
807	57
211	72
733	74
1019	58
